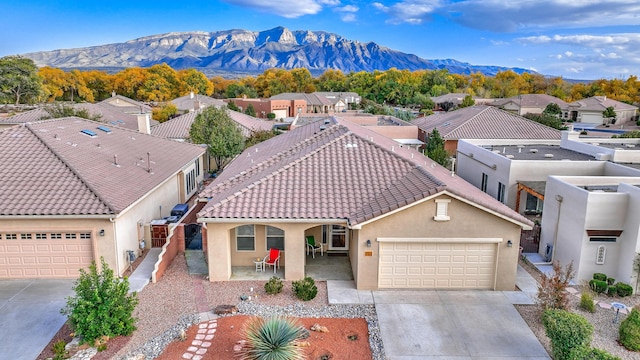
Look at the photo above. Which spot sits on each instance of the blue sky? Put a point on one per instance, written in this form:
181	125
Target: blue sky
575	39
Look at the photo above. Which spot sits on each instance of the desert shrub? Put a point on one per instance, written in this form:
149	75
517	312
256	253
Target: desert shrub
611	281
612	290
551	290
630	331
272	338
589	353
624	289
598	286
274	285
305	289
102	305
600	276
566	331
586	302
59	351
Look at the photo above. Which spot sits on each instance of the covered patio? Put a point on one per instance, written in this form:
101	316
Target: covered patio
335	266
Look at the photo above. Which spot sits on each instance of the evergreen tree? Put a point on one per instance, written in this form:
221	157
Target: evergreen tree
250	110
435	149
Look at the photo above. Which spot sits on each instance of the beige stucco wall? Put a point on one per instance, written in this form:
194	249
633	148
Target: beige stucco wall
417	221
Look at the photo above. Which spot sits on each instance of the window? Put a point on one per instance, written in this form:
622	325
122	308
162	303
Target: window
70	236
245	238
56	236
86	235
603	239
41	236
442	210
190	181
485	180
197	163
10	236
25	236
501	189
275	238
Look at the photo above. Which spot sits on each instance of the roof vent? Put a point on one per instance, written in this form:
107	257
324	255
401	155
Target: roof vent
548	156
104	128
509	156
89	133
496	151
327	121
533	151
322	128
630	145
351	145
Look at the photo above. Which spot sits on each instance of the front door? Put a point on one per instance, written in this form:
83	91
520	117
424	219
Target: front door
338	237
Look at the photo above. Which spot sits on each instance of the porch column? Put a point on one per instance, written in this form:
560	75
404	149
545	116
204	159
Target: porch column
218	252
294	245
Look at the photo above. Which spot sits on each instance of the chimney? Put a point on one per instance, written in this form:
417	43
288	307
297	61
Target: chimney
196	105
143	123
113	93
191	95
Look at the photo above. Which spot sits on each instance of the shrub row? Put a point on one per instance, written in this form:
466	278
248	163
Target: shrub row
304	289
602	284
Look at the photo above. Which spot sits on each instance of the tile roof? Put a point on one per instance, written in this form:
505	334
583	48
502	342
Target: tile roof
178	128
530	100
311	99
599	103
124	104
342	172
52	168
187	102
484	122
27	116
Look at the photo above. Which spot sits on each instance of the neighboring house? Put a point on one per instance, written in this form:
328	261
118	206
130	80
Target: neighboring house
481	122
194	101
403	220
125	105
282	109
403	132
75	190
24	117
315	102
590	110
178	128
528	103
341	100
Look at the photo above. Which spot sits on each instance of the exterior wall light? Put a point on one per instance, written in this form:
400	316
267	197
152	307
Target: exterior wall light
509	243
368	243
101	232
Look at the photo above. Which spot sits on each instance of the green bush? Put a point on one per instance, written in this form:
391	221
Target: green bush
611	281
566	331
272	338
599	286
586	302
59	350
612	290
102	305
630	331
305	289
273	286
589	353
600	276
624	289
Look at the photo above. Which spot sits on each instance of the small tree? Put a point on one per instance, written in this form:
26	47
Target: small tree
165	112
609	115
215	128
258	136
232	106
102	305
467	101
552	109
61	110
447	106
435	149
250	110
551	290
19	80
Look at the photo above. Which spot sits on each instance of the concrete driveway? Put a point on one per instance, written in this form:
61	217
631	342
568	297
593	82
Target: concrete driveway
453	325
30	315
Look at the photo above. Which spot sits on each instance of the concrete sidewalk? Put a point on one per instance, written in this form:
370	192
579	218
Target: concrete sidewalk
142	274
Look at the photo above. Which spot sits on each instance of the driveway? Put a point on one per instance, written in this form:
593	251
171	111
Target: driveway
453	325
30	315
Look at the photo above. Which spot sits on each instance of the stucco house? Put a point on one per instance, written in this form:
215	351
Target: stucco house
590	110
403	220
481	122
528	103
75	190
315	102
193	101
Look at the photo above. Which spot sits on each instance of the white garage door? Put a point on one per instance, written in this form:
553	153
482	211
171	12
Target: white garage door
44	255
280	114
591	118
437	265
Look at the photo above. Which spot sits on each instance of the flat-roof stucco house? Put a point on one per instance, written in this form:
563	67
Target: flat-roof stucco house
403	220
75	190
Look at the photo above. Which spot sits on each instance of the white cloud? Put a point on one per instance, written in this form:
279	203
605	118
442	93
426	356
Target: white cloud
285	8
409	11
348	8
348	17
568	53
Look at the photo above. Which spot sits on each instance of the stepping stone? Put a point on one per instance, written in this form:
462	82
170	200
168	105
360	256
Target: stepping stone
202	331
196	342
213	325
201	351
196	357
211	331
192	348
571	290
624	311
199	337
187	356
208	337
206	344
202	326
604	305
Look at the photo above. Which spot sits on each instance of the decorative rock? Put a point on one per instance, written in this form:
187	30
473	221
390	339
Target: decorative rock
304	334
302	344
319	328
225	309
73	344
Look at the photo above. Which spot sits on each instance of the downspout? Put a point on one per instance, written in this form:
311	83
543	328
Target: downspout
115	242
555	235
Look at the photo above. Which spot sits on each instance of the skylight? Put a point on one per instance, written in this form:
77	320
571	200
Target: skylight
104	128
89	133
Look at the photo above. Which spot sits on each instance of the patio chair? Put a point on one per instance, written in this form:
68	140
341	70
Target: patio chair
273	259
313	247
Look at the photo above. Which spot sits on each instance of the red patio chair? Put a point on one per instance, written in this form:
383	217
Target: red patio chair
273	259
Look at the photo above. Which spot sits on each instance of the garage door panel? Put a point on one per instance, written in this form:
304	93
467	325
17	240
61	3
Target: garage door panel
437	265
44	258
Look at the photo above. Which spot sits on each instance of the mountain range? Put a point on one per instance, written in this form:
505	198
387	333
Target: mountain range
248	52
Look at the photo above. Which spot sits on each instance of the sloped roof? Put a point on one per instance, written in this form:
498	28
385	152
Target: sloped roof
484	122
178	128
27	116
125	104
599	103
52	168
187	102
311	99
530	100
343	172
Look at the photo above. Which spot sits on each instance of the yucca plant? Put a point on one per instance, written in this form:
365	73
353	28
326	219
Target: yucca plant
272	339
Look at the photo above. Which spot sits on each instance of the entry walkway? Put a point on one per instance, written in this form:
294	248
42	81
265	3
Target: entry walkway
142	274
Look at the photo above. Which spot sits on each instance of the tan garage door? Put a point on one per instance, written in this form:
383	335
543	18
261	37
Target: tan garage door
44	255
437	265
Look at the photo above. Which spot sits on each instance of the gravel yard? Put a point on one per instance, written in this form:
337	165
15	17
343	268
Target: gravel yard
605	332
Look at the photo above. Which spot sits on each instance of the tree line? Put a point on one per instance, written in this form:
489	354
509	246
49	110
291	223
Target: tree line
22	82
